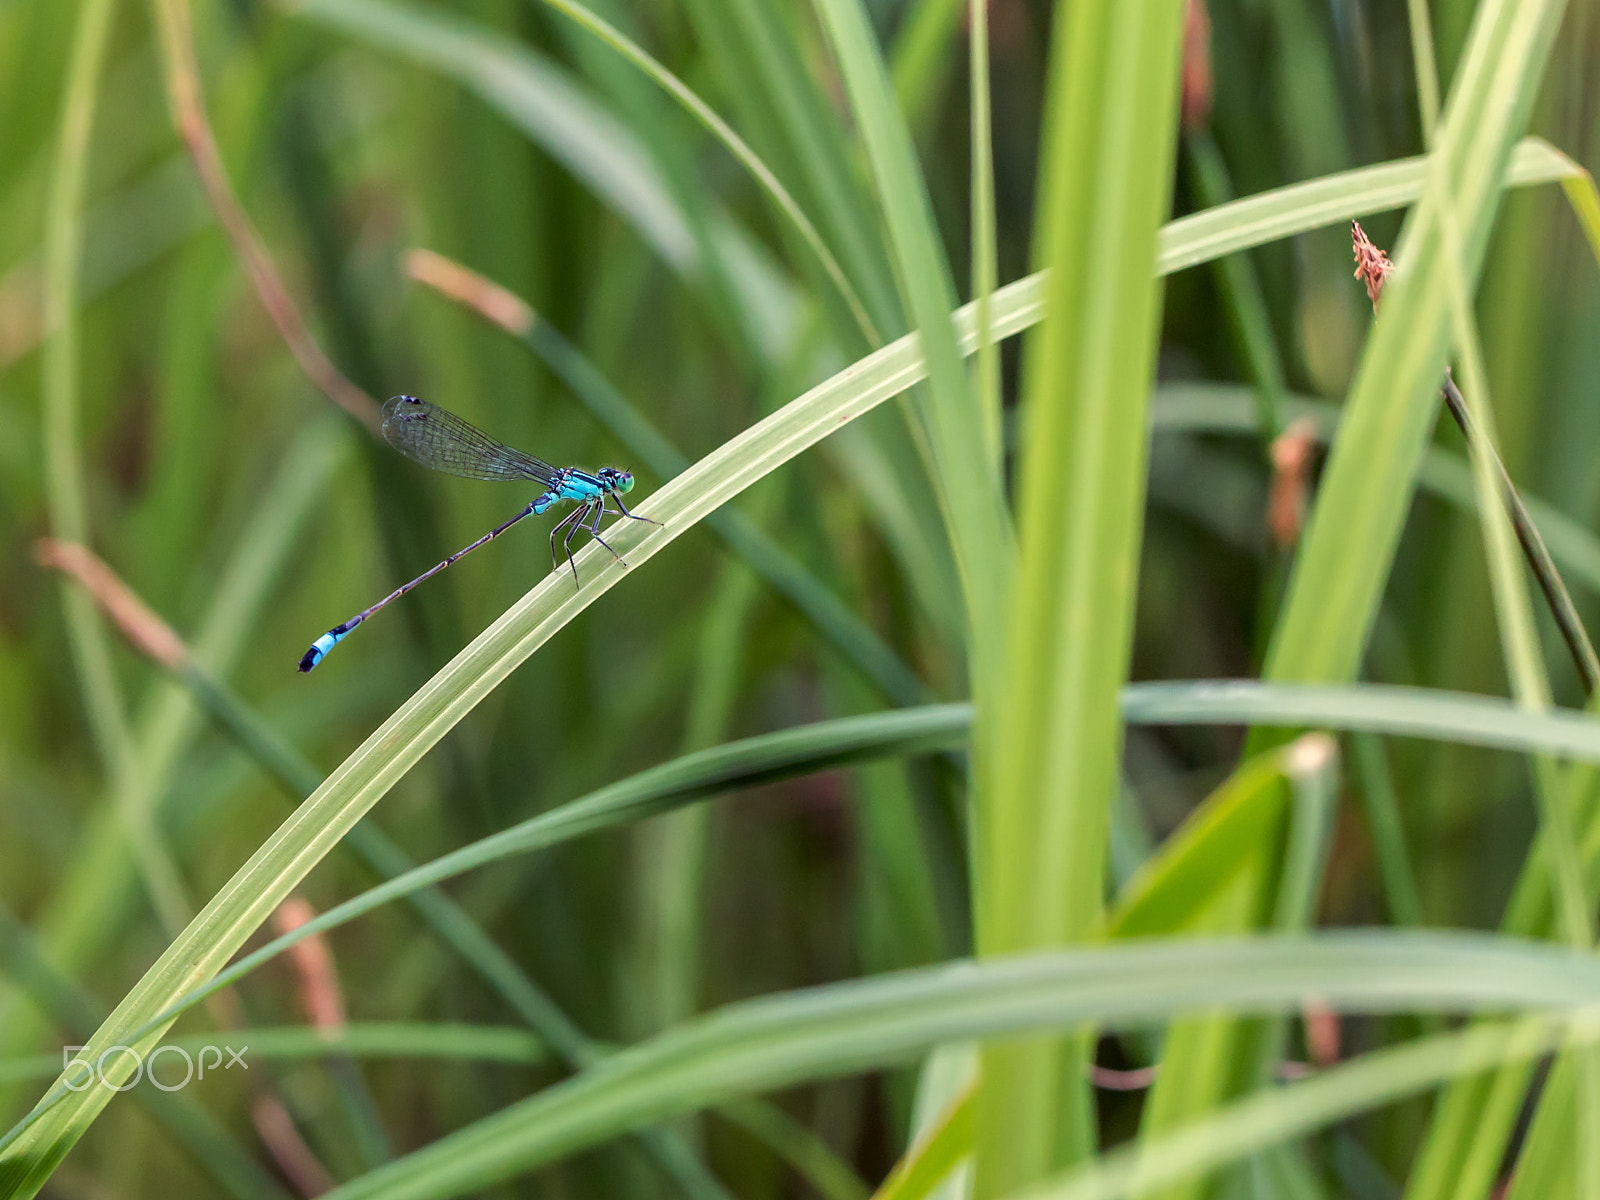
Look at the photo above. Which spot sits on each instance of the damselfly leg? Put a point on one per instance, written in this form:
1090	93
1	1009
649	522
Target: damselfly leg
594	530
623	509
555	559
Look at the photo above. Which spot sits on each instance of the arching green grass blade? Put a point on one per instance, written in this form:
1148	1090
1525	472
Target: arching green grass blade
1171	883
782	1040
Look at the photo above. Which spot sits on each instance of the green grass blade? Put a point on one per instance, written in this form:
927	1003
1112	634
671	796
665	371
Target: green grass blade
1249	857
59	381
740	764
921	56
1411	712
1366	486
1167	887
985	252
1384	826
1524	665
935	1155
969	483
1048	743
1333	199
1227	408
1277	1114
1205	855
782	1040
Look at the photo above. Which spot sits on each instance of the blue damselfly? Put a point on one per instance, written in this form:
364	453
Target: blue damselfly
427	434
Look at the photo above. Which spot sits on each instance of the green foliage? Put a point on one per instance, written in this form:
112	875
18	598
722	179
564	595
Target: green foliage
735	221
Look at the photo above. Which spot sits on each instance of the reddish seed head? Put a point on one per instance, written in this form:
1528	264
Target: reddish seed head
1372	265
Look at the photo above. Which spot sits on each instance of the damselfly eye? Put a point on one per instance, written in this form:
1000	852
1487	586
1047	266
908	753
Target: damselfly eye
624	482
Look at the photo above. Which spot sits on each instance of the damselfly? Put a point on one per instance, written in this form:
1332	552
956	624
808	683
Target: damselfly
427	434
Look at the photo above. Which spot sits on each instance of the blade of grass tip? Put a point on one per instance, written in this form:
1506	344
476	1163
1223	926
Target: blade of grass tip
1047	746
854	639
985	262
1193	880
736	145
1584	200
780	1040
968	482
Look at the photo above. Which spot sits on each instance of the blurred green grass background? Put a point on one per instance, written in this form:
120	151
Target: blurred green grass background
227	493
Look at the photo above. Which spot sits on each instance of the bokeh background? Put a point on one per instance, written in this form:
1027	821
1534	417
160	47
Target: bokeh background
247	511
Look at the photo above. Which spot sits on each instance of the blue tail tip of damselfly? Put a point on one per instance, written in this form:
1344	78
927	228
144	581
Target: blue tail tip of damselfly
320	648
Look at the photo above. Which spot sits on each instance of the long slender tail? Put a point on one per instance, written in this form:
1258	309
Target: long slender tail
320	647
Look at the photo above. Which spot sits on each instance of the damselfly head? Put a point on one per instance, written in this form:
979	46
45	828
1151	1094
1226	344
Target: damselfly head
615	480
